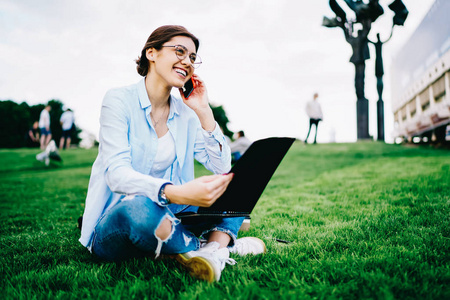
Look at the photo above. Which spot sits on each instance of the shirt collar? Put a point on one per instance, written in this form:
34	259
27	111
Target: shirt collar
145	101
142	94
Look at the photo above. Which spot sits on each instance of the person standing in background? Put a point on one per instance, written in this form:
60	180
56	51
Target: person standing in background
314	112
67	119
44	126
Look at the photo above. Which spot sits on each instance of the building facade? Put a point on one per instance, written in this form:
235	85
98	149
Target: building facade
421	79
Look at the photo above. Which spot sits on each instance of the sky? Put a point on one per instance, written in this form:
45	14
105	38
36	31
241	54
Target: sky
262	59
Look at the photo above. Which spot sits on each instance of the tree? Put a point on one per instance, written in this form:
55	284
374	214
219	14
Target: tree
16	119
14	124
222	119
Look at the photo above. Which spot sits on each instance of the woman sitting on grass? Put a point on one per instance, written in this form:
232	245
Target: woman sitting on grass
144	172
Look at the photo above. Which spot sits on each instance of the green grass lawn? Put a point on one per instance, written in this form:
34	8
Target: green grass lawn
364	220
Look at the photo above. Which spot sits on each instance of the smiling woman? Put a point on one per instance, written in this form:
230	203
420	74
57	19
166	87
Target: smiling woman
144	173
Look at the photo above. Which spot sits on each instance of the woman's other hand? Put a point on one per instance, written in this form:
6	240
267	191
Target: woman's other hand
202	191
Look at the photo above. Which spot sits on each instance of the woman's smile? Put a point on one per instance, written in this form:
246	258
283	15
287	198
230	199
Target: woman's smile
182	72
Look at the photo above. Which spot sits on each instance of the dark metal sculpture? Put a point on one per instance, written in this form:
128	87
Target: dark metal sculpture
379	72
366	14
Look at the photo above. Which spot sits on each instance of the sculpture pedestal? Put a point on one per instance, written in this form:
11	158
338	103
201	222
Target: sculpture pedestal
362	119
380	120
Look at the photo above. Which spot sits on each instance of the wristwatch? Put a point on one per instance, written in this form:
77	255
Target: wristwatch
162	195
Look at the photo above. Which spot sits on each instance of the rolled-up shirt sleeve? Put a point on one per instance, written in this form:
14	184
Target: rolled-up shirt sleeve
212	150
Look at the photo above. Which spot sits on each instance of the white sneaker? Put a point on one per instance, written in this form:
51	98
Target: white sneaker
248	245
206	263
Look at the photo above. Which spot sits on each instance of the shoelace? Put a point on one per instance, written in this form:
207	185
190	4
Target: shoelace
220	261
223	261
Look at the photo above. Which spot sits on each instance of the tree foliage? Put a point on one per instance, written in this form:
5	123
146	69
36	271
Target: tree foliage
16	119
221	117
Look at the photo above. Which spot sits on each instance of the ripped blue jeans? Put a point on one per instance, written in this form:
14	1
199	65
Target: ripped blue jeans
128	230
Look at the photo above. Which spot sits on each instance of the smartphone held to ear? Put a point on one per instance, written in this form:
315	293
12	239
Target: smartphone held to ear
187	89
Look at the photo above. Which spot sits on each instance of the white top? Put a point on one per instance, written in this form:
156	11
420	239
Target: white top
165	156
67	119
313	110
44	119
240	145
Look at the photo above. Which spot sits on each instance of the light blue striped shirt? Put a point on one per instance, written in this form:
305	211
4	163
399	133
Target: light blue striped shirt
128	144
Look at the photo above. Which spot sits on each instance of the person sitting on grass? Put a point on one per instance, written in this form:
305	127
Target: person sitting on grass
50	153
144	171
240	145
32	138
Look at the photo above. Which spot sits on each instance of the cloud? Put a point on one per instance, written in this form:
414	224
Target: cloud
262	59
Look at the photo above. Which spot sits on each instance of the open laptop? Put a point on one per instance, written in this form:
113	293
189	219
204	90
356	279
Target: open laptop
252	173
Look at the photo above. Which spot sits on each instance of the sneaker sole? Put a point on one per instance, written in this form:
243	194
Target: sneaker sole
197	267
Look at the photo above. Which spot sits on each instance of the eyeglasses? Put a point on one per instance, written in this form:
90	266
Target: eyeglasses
182	52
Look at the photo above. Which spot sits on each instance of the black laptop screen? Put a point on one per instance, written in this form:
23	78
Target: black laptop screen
252	174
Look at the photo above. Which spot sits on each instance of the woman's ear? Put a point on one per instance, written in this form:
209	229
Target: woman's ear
150	54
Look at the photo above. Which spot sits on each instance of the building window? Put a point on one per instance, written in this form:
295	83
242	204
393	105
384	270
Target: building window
403	113
439	98
439	89
424	99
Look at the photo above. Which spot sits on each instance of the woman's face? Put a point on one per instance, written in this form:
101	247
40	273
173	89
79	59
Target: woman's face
167	66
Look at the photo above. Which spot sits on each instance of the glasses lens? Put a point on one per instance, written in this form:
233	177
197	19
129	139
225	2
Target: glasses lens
197	62
182	52
192	58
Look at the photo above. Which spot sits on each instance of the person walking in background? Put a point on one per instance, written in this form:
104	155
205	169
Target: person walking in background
44	126
66	120
240	145
314	112
144	172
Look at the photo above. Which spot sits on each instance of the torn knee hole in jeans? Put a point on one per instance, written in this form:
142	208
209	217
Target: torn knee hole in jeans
173	222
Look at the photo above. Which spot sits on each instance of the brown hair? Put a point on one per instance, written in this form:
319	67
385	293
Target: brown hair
158	37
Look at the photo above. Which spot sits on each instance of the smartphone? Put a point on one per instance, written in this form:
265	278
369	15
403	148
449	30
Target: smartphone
188	87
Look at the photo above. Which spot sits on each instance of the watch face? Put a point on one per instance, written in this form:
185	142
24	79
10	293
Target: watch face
162	195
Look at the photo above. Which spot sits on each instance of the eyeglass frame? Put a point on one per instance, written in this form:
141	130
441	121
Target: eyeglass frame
195	64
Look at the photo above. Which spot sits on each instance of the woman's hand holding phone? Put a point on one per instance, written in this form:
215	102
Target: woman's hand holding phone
193	89
198	101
